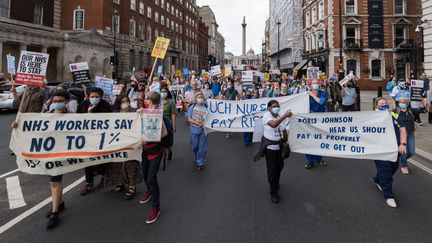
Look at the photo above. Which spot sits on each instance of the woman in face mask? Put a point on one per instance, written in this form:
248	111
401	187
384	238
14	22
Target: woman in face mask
208	93
349	95
406	119
196	115
129	172
317	103
386	169
170	112
135	94
275	125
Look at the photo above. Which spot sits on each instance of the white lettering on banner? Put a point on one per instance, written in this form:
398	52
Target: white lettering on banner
54	144
355	135
241	116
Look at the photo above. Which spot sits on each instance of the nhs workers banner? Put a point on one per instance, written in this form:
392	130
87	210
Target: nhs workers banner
54	144
356	135
241	116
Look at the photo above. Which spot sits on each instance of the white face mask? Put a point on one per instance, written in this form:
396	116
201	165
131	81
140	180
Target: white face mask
124	106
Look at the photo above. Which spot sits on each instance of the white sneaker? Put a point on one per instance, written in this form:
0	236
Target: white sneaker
391	202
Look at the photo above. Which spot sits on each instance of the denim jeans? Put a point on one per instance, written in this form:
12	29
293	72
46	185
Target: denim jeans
312	159
150	169
384	176
199	147
410	150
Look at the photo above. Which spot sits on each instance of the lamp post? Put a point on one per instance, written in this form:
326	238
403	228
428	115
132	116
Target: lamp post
115	52
278	46
420	52
340	42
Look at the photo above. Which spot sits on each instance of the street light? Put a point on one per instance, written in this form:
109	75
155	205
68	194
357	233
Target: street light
115	52
278	59
340	43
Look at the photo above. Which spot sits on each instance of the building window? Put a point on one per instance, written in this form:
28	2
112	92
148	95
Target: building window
321	10
400	35
116	1
172	25
132	28
307	43
38	14
399	6
350	35
157	2
162	20
176	27
167	7
156	33
163	4
167	22
156	17
133	4
172	10
149	12
313	15
149	33
141	31
141	8
376	68
350	6
320	37
313	41
307	19
78	19
116	23
4	8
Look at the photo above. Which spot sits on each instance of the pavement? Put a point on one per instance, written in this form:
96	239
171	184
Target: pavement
228	202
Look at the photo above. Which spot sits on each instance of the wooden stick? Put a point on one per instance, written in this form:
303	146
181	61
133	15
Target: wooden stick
151	73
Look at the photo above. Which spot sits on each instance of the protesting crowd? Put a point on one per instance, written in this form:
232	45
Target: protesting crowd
175	95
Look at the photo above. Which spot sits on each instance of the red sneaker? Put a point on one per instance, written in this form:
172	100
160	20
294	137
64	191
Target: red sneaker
153	215
145	197
86	189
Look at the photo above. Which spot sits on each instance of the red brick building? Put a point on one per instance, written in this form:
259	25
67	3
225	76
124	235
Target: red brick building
202	46
379	38
137	23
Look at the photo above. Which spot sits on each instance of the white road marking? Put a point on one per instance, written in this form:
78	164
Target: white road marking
423	153
428	170
15	195
34	209
8	173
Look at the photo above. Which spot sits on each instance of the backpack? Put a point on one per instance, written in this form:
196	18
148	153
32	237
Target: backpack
168	140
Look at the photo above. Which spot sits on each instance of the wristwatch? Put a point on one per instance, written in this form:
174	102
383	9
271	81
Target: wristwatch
404	144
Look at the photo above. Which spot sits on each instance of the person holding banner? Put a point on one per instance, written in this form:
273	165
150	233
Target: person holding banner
406	119
274	132
349	95
135	94
95	104
151	159
169	111
196	115
317	102
129	172
386	169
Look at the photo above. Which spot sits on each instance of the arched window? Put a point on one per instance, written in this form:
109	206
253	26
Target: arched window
78	19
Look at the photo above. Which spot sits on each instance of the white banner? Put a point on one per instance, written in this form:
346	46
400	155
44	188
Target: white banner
32	68
247	76
55	144
215	70
10	64
241	116
355	135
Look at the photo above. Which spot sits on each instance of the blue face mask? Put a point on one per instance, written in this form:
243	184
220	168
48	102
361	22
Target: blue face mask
94	101
59	105
315	86
383	107
275	110
164	95
402	106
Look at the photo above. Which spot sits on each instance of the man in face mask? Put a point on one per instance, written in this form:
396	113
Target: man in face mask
95	104
333	94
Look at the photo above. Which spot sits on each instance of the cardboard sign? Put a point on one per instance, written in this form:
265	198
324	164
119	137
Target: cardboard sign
313	73
117	89
160	47
10	64
267	77
178	73
346	79
185	71
151	125
80	72
247	76
227	70
107	85
274	71
55	144
177	91
216	70
32	68
159	69
417	90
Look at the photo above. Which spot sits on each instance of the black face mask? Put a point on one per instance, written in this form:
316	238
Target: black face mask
349	86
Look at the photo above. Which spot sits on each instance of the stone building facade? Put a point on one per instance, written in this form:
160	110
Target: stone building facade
378	38
216	42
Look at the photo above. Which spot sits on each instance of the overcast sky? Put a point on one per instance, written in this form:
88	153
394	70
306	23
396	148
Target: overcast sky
229	16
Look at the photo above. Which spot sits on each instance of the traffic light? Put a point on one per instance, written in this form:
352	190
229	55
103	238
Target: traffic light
210	59
112	60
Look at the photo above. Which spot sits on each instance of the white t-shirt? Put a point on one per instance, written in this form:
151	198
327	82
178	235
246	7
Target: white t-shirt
273	134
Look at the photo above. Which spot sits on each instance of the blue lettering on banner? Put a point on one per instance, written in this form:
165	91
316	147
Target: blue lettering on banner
35	126
37	144
220	107
374	129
